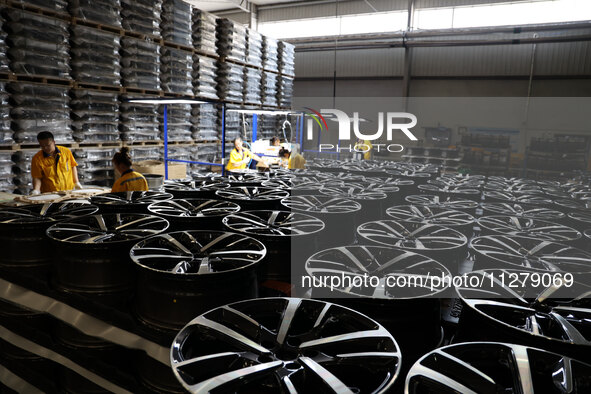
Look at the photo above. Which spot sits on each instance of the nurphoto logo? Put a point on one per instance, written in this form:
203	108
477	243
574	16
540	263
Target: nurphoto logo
392	125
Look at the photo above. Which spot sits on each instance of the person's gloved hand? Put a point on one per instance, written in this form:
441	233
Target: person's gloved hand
78	186
35	192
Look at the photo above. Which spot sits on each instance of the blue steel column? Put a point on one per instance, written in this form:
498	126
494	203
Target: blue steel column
165	141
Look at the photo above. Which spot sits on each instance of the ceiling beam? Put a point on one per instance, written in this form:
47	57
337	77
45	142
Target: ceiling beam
244	5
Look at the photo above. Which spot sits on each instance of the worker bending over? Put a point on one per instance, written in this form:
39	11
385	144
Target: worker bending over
129	180
290	160
240	157
53	168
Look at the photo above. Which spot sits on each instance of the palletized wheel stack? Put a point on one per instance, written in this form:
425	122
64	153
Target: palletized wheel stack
95	115
286	57
205	122
95	166
6	173
138	121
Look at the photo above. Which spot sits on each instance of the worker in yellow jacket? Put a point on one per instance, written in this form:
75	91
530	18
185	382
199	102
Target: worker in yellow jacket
240	157
363	150
130	180
53	168
291	161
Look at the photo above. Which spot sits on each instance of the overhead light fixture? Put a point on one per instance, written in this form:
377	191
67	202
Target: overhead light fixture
166	101
259	112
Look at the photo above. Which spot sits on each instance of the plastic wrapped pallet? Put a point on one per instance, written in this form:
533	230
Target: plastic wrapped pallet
95	56
204	122
178	121
254	48
140	64
229	81
205	153
176	22
95	115
285	91
59	6
270	49
176	70
231	40
268	126
252	86
95	165
142	153
204	77
38	108
5	130
286	58
204	32
105	12
38	44
3	46
269	88
141	16
138	122
22	170
233	125
179	152
6	173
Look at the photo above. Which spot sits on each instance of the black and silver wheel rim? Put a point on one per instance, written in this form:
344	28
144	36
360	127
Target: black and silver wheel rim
273	223
285	345
524	227
128	201
500	251
517	198
457	204
581	220
381	262
552	313
45	213
107	229
492	367
189	213
246	196
457	220
442	244
517	210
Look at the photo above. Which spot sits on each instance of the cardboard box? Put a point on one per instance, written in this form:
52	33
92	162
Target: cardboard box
175	170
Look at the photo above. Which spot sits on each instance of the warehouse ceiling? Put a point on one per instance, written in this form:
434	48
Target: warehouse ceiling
219	5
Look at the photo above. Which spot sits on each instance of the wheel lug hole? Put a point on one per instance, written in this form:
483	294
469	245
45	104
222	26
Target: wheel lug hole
265	358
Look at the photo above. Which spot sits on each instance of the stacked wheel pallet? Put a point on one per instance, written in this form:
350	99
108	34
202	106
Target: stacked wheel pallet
95	166
6	172
176	64
95	115
204	122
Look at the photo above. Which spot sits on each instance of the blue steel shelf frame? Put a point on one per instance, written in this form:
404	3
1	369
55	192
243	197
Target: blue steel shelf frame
165	102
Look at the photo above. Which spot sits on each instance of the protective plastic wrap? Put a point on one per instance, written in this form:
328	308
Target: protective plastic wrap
178	152
252	85
106	12
229	79
285	91
6	174
5	130
137	121
204	77
179	122
95	56
38	44
268	126
205	153
269	88
254	48
176	22
95	115
286	58
270	49
22	170
233	123
176	69
53	5
205	122
3	46
140	63
141	16
231	39
38	108
204	32
95	165
140	153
